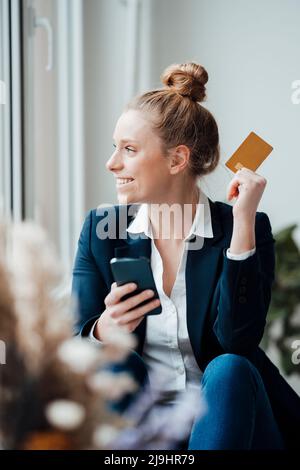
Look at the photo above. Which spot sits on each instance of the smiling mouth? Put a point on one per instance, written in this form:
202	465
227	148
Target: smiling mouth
122	182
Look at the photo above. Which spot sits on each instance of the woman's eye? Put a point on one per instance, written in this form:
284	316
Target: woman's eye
129	149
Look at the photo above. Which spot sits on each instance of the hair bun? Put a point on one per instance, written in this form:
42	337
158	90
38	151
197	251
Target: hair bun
187	80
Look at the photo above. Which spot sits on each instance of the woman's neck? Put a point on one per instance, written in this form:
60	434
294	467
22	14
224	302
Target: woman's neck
172	220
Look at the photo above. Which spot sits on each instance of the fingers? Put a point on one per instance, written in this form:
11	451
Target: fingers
137	313
117	292
131	326
135	300
232	189
128	313
244	176
132	302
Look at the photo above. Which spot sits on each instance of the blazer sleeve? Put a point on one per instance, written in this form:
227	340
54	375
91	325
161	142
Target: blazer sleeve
245	293
88	286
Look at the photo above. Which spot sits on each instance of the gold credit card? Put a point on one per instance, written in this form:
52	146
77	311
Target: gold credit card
250	154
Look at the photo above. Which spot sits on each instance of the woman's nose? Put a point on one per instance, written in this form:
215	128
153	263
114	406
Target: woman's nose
114	162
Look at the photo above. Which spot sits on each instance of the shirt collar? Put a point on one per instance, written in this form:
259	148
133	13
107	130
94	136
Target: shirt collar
201	226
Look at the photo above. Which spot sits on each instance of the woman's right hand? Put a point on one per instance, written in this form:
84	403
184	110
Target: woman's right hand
126	313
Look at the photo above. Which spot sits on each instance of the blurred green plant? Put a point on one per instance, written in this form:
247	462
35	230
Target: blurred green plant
285	304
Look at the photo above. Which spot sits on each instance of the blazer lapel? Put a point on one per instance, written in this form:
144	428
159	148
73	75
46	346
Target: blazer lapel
201	278
134	248
132	245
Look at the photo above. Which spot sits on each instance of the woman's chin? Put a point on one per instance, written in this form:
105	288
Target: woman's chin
126	199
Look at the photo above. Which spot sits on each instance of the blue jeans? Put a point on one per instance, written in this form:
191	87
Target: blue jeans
239	414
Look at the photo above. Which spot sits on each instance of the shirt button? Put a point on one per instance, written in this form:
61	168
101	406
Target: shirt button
180	370
242	300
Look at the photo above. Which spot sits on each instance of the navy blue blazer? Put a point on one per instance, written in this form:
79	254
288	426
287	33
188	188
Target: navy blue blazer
227	300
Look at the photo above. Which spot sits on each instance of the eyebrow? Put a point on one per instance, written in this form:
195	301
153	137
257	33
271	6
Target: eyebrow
128	139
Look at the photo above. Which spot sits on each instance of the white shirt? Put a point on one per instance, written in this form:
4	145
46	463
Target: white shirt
167	349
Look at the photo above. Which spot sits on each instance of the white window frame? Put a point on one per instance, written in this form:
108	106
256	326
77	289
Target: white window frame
11	165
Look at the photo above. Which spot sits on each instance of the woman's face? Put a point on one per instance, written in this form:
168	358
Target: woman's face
141	169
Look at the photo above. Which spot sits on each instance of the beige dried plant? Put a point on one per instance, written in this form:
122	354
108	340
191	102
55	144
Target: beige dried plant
55	386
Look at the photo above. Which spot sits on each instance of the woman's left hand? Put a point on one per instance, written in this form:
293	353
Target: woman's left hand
248	188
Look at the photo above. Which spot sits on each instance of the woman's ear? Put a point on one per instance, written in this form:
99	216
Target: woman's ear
179	159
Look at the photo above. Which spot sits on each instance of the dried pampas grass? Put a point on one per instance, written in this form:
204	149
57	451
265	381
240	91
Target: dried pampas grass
55	387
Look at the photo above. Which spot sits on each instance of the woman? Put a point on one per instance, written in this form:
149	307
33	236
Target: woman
214	279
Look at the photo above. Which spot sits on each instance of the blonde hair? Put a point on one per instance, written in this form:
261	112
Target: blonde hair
177	115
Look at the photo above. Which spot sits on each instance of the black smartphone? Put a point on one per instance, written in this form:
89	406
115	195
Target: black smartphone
137	270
